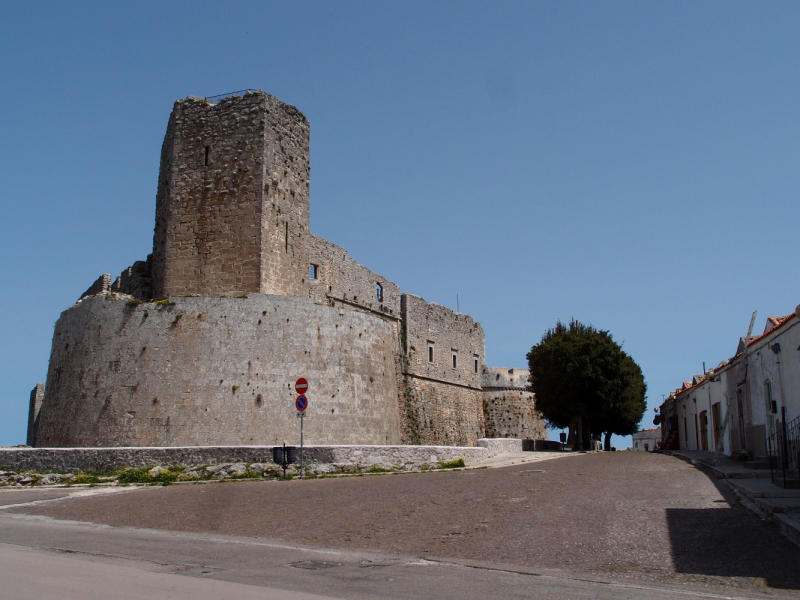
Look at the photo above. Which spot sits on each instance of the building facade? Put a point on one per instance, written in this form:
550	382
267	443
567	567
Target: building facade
741	406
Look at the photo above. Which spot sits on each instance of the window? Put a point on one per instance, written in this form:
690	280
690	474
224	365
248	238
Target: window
772	405
430	352
475	361
208	148
312	271
455	359
379	291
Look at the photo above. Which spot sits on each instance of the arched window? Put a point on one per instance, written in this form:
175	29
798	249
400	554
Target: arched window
379	291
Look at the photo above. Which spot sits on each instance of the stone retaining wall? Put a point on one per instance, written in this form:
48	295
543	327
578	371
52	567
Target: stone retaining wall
497	446
65	460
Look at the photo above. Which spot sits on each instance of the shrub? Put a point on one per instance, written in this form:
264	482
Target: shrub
85	478
143	476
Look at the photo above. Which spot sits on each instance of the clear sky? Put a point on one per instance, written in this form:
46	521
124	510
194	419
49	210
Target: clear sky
630	164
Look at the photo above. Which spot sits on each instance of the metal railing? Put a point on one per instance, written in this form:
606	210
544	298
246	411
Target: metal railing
215	99
783	448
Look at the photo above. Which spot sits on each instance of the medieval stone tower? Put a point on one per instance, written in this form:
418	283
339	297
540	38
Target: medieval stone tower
200	343
232	208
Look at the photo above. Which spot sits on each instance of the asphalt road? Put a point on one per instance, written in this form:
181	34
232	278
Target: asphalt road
242	534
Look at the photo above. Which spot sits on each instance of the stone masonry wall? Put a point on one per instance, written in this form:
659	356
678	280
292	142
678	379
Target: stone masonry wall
64	460
500	377
341	281
448	331
512	414
232	208
509	405
217	371
440	403
434	412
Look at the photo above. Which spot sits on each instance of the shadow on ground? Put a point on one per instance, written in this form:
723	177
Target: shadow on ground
724	542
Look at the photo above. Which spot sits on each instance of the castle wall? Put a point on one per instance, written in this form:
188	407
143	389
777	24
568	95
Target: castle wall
509	405
500	377
232	207
440	403
438	413
217	371
512	414
341	281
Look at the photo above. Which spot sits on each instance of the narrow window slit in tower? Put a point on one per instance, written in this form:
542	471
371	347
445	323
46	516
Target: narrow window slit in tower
286	237
207	150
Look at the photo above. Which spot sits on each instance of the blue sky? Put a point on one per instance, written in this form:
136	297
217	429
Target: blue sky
629	164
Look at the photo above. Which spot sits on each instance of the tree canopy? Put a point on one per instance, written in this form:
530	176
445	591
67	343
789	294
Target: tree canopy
578	371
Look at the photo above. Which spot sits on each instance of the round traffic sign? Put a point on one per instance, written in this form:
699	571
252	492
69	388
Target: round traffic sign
301	386
301	403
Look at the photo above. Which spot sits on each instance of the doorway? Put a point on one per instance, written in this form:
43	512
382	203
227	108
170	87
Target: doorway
704	430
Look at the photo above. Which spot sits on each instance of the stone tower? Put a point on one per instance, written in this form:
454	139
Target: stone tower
232	209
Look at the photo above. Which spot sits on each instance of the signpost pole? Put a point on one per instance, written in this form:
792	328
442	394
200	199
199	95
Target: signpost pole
301	386
302	418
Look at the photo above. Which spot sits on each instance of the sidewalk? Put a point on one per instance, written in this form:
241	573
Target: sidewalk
754	488
506	459
723	467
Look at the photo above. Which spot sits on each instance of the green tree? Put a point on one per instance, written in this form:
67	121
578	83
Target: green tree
623	415
583	380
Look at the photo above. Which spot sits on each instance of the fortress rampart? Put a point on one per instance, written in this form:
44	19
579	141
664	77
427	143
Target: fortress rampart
509	405
200	343
217	371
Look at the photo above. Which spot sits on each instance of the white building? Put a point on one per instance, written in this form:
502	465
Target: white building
646	439
736	407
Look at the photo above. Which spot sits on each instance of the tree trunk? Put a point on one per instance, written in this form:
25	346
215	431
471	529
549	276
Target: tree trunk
607	443
571	437
587	434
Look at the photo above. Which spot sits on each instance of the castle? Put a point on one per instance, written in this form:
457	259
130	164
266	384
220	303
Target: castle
201	343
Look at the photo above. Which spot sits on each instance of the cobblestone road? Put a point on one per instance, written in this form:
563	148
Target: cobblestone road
621	515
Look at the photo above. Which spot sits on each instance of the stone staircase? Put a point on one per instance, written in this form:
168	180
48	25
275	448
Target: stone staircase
771	501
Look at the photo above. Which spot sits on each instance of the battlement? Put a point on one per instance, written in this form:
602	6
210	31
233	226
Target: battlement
232	209
500	377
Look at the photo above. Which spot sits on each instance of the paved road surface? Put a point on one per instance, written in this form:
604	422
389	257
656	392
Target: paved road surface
613	525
